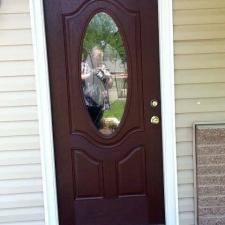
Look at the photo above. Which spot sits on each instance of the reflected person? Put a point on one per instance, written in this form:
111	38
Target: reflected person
96	80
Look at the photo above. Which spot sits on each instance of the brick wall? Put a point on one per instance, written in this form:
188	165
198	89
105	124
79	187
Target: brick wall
210	174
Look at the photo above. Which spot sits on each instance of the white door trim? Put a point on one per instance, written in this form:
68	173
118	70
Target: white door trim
44	112
168	111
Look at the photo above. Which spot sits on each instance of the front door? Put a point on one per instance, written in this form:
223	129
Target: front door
105	91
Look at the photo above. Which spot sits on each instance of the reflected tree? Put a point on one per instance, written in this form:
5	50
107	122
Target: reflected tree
103	31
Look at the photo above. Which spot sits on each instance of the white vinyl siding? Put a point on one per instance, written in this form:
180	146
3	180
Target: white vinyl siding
199	45
21	195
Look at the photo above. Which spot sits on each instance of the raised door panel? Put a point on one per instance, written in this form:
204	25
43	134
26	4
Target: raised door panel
132	173
88	176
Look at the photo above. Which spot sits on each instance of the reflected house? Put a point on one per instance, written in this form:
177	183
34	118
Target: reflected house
119	74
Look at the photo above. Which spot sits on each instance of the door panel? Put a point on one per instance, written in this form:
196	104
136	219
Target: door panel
114	179
131	173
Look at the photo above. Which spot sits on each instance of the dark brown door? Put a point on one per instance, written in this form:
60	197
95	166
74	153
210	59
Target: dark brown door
108	146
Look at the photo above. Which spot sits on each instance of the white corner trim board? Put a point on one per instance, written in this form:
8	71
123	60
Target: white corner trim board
168	111
44	112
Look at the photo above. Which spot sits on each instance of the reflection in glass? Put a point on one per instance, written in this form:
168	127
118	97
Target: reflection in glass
104	73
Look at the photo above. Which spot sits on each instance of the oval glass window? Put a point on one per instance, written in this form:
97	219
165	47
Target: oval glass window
104	73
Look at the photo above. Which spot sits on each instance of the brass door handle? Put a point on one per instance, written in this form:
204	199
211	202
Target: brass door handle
155	120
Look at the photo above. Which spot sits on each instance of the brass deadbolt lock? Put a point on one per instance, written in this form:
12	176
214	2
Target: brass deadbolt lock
154	103
155	120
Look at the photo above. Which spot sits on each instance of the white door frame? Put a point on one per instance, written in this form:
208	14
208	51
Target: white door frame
167	101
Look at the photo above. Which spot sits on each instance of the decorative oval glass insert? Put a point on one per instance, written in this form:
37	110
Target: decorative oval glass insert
104	73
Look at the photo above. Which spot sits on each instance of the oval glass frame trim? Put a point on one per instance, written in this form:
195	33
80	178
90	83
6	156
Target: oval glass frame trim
104	73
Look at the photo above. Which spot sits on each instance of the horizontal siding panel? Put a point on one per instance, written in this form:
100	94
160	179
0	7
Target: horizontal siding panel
186	191
185	177
20	186
199	32
185	163
184	134
16	53
18	98
186	204
25	223
200	105
25	83
24	157
200	91
14	21
187	218
200	46
199	16
198	4
200	61
20	172
12	6
16	68
15	37
196	76
184	149
22	214
187	120
19	143
25	113
21	200
18	128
